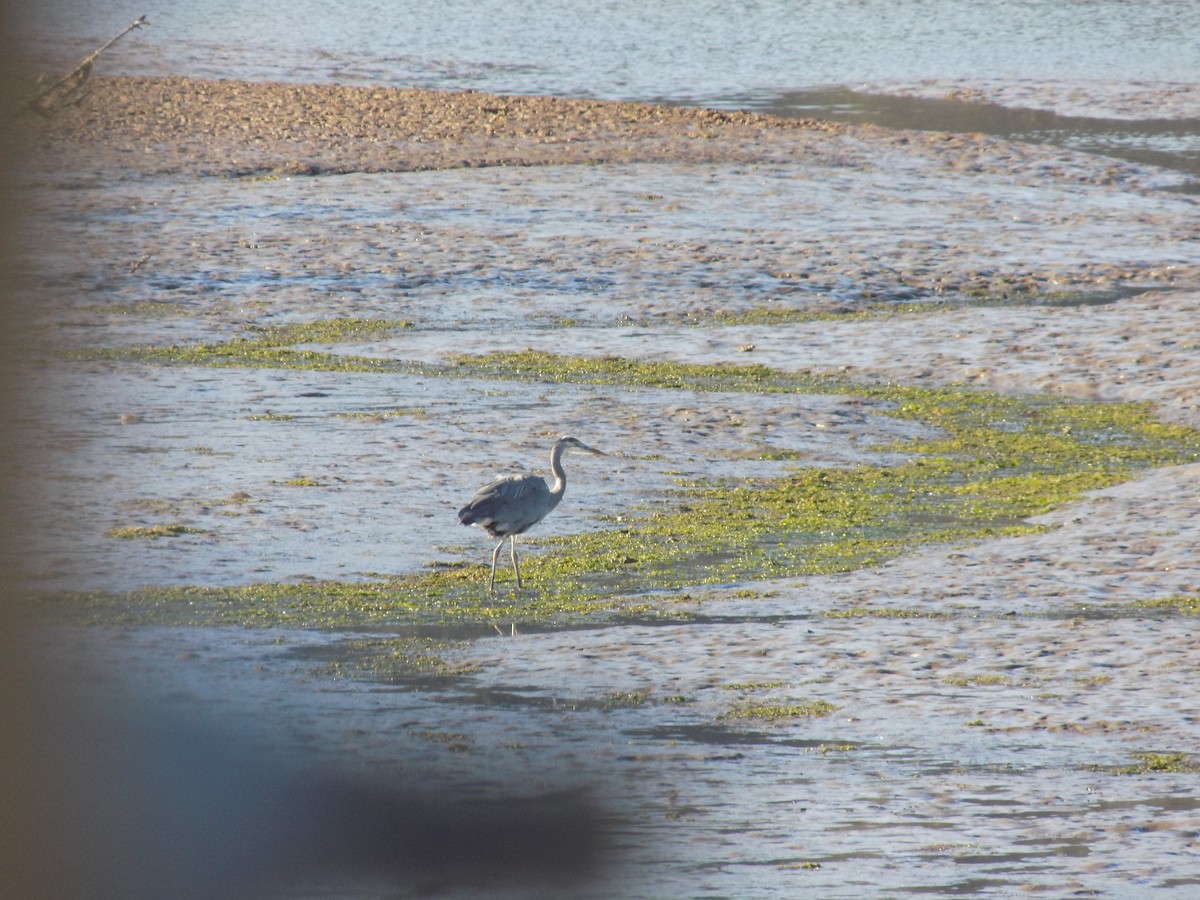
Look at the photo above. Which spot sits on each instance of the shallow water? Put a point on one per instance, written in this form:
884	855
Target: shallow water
1169	142
629	50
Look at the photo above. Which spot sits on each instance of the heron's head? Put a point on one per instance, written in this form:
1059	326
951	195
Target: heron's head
574	445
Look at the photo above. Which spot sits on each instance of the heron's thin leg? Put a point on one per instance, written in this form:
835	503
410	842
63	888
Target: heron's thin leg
516	568
495	554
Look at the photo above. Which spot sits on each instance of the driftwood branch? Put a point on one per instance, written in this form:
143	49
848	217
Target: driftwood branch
49	99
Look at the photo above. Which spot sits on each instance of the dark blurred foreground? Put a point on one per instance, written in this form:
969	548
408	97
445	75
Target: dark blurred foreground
131	804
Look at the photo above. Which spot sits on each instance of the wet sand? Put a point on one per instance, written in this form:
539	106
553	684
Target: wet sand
964	738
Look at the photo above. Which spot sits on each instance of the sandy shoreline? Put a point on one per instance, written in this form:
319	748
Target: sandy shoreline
177	125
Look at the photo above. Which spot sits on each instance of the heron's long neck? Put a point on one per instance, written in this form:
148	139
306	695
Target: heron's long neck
560	477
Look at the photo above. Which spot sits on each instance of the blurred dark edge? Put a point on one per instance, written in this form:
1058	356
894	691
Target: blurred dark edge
122	802
19	861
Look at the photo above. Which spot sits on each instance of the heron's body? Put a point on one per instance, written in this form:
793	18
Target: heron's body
512	504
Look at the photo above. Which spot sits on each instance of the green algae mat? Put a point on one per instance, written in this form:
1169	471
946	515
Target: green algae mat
994	461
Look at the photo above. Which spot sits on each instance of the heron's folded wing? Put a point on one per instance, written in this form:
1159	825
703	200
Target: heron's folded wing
511	498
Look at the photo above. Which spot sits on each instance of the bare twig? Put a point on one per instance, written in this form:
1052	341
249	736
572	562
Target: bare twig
49	99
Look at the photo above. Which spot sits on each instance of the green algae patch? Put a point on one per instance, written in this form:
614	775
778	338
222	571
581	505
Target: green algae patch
1180	605
311	604
300	481
778	314
775	712
454	596
329	331
624	699
383	415
149	532
145	308
876	306
270	348
533	365
974	680
1154	763
242	353
392	660
993	462
862	612
744	686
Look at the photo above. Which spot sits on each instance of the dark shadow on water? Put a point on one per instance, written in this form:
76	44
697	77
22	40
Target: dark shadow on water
1169	143
1082	298
974	887
137	802
721	736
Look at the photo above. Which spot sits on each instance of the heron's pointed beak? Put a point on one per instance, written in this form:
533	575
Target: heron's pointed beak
580	447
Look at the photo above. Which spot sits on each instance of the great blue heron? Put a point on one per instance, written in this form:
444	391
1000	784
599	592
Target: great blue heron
512	504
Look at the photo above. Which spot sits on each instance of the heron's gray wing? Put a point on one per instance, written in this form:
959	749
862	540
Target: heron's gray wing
508	505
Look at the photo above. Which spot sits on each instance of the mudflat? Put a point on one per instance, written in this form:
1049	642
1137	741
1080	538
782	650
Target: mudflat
954	717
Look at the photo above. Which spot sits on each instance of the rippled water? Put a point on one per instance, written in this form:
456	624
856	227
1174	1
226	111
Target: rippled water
699	51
